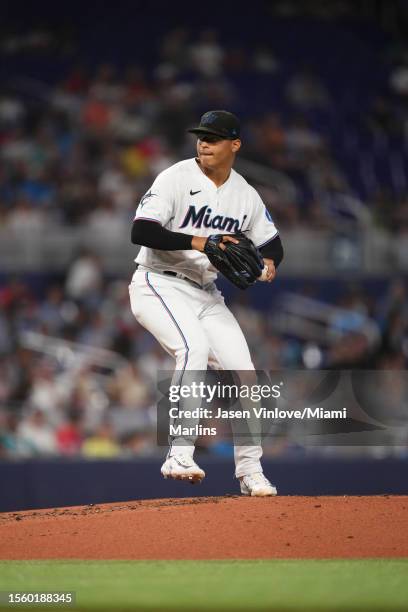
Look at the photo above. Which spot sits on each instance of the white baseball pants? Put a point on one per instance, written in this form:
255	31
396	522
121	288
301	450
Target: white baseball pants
195	326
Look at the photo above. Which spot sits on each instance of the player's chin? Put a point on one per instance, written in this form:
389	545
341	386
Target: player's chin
207	160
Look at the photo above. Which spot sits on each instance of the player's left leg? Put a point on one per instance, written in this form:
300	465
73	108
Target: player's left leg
229	350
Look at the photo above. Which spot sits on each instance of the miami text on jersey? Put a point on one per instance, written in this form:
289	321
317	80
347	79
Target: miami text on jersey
202	217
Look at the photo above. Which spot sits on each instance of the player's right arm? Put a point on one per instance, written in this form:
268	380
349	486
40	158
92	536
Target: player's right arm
153	235
154	211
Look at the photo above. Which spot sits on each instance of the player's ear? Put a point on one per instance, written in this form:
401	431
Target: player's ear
235	145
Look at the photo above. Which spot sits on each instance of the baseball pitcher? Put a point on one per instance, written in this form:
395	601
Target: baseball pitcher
198	218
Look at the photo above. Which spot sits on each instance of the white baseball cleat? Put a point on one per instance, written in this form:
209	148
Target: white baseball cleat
256	485
182	467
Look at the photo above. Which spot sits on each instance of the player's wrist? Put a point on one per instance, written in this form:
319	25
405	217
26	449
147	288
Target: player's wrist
198	243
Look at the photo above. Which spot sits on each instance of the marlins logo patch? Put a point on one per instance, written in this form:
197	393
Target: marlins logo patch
146	197
268	215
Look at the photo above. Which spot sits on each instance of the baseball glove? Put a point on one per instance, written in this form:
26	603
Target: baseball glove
240	262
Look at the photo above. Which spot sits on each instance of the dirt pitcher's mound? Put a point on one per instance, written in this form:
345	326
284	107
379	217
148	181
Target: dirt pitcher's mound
212	528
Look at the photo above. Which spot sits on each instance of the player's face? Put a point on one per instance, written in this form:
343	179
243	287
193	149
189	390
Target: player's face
214	152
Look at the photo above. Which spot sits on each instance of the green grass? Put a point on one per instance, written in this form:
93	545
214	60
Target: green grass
216	585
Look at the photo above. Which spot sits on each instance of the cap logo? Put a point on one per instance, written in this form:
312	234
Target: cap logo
208	118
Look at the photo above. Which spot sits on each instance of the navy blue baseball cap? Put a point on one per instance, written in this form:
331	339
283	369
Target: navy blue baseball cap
219	123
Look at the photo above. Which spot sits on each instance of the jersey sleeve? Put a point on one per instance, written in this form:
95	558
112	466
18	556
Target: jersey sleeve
157	204
262	228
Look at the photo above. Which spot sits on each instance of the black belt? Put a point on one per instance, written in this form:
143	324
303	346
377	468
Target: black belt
177	275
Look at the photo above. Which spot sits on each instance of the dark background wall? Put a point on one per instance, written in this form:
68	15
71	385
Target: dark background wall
45	484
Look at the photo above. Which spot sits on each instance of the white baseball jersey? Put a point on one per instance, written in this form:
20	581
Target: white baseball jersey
183	199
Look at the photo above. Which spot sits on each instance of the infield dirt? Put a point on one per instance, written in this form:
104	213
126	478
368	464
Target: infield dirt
212	528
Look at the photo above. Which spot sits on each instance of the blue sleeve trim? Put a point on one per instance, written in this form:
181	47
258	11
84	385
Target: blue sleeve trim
269	240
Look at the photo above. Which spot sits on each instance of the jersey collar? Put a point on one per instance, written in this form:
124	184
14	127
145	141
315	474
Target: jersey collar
208	180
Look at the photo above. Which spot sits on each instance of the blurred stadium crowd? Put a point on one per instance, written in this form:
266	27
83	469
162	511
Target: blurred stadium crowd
80	143
79	375
81	146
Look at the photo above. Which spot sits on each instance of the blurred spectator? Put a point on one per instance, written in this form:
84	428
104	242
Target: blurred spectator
101	443
12	445
401	249
173	51
36	433
300	138
305	90
399	80
350	317
153	359
106	87
70	435
105	222
264	60
11	111
207	54
25	221
271	134
129	388
84	277
51	311
113	183
48	392
96	332
20	367
140	443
